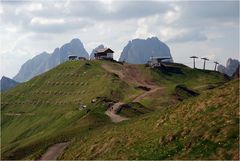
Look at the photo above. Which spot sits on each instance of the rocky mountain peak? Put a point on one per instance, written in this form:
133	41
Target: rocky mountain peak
45	61
138	51
231	66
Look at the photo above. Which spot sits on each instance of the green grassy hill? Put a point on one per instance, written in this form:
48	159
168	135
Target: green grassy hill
205	127
68	104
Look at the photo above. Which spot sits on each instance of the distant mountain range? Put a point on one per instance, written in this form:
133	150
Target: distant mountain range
7	83
231	68
45	61
138	51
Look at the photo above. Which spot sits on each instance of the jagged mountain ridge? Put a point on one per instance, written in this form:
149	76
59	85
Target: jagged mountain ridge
138	51
231	67
45	61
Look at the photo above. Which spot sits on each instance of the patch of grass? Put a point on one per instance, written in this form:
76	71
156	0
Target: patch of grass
203	149
183	92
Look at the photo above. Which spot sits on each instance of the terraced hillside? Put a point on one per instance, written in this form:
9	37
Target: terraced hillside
68	105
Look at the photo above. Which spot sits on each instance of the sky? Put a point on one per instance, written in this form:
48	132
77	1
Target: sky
202	28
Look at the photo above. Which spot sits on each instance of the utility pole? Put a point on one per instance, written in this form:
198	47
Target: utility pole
194	57
205	59
216	63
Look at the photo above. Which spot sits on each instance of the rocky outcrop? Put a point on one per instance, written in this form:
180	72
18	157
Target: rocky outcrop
138	51
45	61
231	66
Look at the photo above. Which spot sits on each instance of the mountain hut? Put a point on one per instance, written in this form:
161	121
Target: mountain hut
105	53
72	57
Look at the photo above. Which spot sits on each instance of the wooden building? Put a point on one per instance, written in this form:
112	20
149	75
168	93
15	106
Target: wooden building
105	53
72	57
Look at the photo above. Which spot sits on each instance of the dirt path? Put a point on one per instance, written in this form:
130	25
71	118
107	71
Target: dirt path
54	151
131	74
152	90
111	112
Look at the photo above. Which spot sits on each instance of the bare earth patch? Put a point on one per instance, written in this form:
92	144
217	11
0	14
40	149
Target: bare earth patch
111	112
130	74
153	90
54	151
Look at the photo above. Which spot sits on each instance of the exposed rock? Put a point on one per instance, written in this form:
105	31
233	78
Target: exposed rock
236	73
45	61
231	67
93	101
138	51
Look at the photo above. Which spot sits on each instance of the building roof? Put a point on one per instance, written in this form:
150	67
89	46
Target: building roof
160	58
193	57
104	50
72	56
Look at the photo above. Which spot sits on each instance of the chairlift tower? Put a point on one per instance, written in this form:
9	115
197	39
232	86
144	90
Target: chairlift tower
194	57
215	67
204	62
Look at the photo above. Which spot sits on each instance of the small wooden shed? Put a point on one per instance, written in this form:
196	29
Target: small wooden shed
72	57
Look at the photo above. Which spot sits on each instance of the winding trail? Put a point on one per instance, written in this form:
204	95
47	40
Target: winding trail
111	112
54	151
130	74
153	89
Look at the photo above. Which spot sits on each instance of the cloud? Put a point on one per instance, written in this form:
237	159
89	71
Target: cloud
224	10
46	21
189	36
209	13
56	25
117	10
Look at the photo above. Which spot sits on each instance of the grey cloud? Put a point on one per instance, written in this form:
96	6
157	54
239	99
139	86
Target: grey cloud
9	15
190	36
211	9
120	9
194	15
57	28
199	16
208	13
15	15
88	10
95	10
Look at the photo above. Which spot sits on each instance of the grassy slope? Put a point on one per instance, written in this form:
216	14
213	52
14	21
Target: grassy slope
49	103
192	78
205	127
